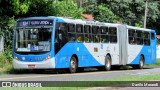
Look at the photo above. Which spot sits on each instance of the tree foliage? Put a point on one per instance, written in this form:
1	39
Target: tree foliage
132	11
67	9
104	14
128	11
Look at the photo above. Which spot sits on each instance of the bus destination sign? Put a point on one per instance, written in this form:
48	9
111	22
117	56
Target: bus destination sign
34	23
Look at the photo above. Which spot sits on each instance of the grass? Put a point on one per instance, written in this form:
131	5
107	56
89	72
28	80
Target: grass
158	62
6	69
104	83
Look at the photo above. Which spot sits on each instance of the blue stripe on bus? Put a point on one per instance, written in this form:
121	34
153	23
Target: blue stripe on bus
31	58
148	56
85	58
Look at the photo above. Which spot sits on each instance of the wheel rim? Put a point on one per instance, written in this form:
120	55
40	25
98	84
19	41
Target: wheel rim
108	64
73	65
141	62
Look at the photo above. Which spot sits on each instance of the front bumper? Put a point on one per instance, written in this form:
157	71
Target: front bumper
47	64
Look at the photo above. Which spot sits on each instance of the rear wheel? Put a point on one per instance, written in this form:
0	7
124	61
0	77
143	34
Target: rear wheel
107	63
141	63
73	65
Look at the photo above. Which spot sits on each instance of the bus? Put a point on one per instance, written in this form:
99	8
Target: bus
74	44
158	47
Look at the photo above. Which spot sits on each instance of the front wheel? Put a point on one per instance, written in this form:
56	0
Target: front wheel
107	63
73	65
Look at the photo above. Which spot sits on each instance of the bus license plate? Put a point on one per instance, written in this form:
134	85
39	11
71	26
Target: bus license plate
31	66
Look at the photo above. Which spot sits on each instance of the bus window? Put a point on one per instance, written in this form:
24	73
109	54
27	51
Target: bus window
72	37
146	37
104	30
95	33
87	33
113	34
71	28
96	38
87	38
139	37
104	35
80	37
132	36
104	38
152	36
87	29
79	28
95	30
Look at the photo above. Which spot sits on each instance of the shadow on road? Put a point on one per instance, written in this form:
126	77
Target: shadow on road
66	71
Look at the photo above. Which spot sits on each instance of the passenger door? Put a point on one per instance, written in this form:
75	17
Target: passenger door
123	49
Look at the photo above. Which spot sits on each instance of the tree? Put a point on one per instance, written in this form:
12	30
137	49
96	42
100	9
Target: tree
8	10
132	11
89	6
103	14
39	8
67	9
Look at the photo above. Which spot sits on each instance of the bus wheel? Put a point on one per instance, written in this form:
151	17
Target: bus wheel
107	63
140	65
73	65
141	62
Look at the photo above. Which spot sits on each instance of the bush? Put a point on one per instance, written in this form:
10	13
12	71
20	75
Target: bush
2	60
8	54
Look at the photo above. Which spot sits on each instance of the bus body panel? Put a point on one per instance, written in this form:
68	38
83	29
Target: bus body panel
148	52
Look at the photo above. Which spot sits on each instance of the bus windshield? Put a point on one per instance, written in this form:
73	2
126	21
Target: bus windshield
33	39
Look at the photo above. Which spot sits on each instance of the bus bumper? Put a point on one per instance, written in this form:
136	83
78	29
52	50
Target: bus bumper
47	64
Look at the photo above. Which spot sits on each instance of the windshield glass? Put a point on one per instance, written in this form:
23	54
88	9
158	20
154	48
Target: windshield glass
33	39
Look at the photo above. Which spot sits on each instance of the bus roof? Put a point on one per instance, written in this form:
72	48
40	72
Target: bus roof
83	21
39	17
138	28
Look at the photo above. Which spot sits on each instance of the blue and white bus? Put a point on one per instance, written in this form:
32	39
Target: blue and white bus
60	43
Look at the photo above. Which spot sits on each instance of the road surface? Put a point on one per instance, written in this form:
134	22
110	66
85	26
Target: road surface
87	75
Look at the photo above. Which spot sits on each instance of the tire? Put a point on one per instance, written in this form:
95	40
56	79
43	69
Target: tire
107	63
73	65
140	65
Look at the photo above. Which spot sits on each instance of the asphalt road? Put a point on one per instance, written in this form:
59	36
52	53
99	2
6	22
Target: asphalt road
89	74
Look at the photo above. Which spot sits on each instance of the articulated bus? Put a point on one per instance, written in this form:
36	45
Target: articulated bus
73	44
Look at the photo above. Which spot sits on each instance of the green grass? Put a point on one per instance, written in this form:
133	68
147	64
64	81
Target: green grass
6	69
110	83
158	62
139	78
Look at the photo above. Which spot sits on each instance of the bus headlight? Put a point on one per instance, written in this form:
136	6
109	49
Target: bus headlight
15	57
48	57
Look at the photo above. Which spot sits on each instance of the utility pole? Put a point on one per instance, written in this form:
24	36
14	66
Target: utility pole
145	16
